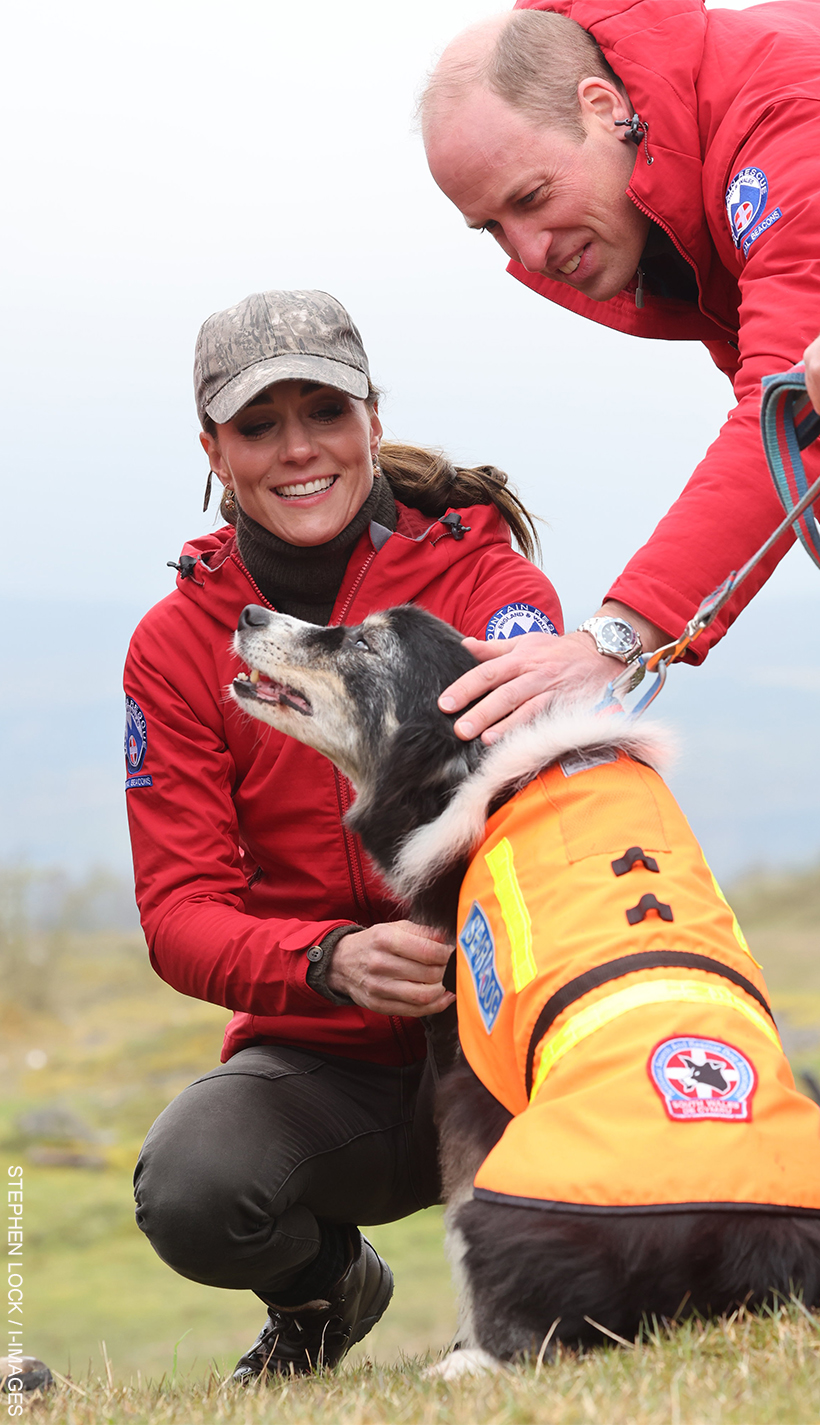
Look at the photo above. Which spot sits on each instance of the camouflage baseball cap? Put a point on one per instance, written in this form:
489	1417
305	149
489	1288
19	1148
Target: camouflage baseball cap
276	336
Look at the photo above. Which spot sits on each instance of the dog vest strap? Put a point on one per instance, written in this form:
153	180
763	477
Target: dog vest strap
501	866
627	965
595	1016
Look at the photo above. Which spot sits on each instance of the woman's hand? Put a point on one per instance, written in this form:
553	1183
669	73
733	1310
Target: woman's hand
394	968
521	676
811	357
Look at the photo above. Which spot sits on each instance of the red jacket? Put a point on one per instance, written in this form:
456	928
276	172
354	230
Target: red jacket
723	91
241	859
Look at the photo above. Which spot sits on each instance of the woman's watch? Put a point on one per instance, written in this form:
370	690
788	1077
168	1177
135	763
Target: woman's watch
614	636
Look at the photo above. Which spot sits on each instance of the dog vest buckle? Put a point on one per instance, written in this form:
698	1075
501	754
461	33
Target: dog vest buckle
646	903
630	858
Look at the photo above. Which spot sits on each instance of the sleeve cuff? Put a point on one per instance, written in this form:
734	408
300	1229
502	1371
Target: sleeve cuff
319	961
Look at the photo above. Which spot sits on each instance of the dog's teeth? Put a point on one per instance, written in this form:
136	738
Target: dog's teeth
242	677
255	676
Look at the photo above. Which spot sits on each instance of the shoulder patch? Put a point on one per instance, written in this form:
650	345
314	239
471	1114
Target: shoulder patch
745	200
136	745
702	1078
477	942
515	619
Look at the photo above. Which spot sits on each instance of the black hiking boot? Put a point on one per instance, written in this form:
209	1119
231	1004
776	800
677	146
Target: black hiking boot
300	1339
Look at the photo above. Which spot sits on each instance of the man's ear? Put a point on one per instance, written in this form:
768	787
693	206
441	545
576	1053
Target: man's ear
601	100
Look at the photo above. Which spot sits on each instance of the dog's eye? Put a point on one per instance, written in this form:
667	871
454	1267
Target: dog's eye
362	643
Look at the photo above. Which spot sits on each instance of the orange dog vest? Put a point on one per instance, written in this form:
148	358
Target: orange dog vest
608	999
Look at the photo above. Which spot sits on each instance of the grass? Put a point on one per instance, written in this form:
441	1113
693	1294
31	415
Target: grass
761	1370
139	1343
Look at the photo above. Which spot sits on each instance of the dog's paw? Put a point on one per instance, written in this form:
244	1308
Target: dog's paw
471	1361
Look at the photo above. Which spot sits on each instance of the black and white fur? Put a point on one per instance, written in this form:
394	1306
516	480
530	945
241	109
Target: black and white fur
366	697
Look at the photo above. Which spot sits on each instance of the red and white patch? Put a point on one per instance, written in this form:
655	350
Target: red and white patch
702	1078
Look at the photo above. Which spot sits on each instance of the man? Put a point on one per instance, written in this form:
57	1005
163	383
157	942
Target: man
655	168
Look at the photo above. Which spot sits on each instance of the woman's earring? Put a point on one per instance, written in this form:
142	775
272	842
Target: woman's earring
208	491
229	498
377	469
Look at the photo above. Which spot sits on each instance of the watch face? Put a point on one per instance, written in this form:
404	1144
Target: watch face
617	636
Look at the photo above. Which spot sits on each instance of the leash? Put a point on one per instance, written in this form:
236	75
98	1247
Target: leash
788	423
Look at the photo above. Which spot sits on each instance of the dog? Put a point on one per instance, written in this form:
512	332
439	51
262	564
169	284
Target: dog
621	1138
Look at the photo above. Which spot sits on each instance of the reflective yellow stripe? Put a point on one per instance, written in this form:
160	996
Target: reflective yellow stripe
501	866
595	1016
736	930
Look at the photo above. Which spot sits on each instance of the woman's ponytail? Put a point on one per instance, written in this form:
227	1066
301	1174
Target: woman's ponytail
427	481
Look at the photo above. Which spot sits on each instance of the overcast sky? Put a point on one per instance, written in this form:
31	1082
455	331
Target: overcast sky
168	158
162	161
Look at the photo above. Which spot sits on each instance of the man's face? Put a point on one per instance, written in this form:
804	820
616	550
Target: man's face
556	204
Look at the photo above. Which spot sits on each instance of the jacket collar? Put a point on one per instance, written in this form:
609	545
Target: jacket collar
211	573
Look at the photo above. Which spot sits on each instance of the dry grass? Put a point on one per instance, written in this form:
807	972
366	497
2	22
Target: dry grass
744	1371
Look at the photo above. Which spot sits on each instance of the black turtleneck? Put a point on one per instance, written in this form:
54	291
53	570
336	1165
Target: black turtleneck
303	580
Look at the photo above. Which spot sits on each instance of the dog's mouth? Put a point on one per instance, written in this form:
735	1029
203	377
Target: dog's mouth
258	687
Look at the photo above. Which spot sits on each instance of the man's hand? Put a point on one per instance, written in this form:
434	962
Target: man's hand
811	357
394	968
522	675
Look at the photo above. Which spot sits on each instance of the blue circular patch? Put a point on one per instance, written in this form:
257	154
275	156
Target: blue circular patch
745	200
702	1078
515	619
136	736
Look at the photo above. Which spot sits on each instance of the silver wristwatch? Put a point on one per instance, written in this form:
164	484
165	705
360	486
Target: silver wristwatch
614	636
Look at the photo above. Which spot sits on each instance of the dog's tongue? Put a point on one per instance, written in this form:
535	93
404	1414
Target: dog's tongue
269	691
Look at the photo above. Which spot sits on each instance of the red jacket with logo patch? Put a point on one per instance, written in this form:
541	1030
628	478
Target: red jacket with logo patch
241	857
722	91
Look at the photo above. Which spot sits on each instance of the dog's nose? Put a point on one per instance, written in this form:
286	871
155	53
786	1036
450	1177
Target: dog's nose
254	616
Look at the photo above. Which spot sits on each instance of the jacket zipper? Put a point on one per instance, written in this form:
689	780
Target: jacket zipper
351	845
354	857
354	588
653	218
352	852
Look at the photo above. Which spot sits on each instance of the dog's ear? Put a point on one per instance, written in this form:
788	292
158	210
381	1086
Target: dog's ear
417	773
428	753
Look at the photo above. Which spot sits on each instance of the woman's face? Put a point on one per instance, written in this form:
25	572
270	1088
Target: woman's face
299	459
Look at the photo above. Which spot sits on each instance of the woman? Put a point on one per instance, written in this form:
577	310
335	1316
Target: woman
253	893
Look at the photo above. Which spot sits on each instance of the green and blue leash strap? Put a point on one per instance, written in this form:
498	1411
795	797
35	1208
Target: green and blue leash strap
788	423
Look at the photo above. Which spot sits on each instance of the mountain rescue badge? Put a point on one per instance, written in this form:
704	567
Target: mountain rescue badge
745	200
702	1078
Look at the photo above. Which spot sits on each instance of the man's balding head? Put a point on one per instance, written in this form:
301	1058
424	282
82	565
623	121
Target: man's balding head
527	131
533	60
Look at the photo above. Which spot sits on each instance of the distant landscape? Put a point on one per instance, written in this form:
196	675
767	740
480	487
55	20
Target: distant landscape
746	776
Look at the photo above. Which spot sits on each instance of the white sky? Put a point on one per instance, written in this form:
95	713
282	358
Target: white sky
165	159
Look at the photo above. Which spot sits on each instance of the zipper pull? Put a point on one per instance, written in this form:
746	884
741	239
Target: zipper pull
639	290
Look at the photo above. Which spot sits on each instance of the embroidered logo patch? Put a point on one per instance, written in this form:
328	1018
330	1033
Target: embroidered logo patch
514	619
136	744
745	200
703	1078
762	227
476	940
